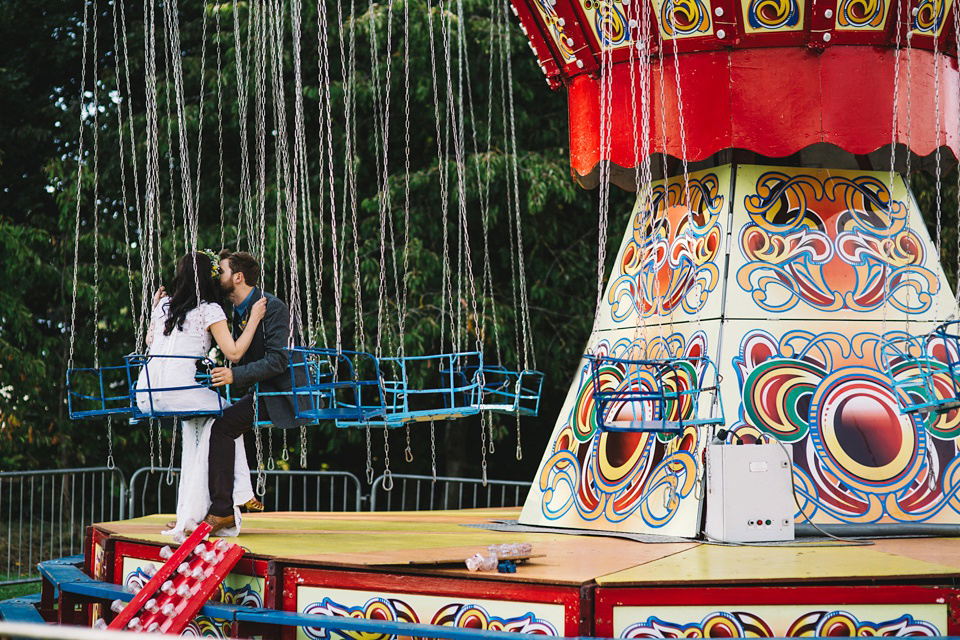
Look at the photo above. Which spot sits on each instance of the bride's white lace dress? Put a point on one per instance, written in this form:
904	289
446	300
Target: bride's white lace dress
193	494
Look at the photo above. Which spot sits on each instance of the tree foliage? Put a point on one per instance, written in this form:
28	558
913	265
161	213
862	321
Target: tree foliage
42	228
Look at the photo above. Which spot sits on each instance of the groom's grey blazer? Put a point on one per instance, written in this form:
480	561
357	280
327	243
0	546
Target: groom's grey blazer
267	362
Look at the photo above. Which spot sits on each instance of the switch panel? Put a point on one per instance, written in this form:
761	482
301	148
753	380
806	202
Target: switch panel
749	493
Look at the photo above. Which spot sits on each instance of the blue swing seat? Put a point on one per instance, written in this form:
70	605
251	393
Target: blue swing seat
654	395
96	392
336	385
922	382
506	391
425	388
136	362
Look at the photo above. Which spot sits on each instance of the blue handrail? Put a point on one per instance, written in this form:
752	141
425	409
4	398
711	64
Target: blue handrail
657	395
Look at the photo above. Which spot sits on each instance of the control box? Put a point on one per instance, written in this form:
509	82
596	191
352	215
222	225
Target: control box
749	493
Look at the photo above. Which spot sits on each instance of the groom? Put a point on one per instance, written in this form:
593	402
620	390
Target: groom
265	362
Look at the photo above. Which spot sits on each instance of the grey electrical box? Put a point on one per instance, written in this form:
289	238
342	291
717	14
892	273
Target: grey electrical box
749	493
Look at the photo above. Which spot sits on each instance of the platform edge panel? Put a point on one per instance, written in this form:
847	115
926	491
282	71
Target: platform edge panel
802	562
777	611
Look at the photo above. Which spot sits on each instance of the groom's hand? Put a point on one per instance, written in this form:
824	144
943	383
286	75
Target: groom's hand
221	376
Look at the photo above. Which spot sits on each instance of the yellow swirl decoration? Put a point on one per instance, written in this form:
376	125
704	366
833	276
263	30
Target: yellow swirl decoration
773	14
684	18
837	243
608	20
861	14
929	16
556	30
670	262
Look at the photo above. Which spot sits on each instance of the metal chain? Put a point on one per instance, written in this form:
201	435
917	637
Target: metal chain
303	446
491	447
369	455
271	463
898	28
123	165
483	448
519	451
261	489
937	177
110	464
76	237
387	474
173	451
285	453
956	33
151	426
408	452
223	213
433	450
159	444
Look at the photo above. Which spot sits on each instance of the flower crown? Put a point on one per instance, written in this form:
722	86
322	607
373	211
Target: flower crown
215	261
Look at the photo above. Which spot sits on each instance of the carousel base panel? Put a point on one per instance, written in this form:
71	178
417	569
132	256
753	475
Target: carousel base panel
409	567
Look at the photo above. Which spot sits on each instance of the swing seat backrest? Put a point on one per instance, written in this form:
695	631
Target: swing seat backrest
152	391
94	392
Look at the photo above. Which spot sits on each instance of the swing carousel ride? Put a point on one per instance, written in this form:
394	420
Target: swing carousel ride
776	284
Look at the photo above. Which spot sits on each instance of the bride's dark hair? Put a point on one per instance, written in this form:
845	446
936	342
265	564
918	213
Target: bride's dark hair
184	297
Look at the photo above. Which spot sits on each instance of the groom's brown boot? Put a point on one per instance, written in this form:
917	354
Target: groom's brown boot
219	522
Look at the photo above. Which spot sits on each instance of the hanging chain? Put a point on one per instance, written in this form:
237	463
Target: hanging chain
408	452
303	446
160	444
894	123
151	426
490	446
433	450
519	452
173	451
483	447
110	464
387	474
271	463
261	489
285	453
369	455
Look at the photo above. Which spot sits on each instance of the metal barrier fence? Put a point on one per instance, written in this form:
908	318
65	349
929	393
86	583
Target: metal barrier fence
425	493
43	515
155	491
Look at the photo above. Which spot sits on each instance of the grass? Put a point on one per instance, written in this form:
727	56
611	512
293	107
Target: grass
17	590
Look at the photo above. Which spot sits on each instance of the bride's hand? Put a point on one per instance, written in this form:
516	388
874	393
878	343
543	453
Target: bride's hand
159	295
258	310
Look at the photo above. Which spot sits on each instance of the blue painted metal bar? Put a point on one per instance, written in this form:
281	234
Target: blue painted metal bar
654	395
136	362
94	392
336	385
440	386
925	369
70	579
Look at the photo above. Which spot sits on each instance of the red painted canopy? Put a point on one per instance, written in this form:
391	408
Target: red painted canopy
769	76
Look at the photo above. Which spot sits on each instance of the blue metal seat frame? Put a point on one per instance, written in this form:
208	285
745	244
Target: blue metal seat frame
915	372
652	394
338	385
507	391
135	362
110	402
425	388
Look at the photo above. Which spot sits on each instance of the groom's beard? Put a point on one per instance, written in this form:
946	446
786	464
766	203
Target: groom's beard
227	288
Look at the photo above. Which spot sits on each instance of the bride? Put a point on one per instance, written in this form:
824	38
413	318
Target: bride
180	333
